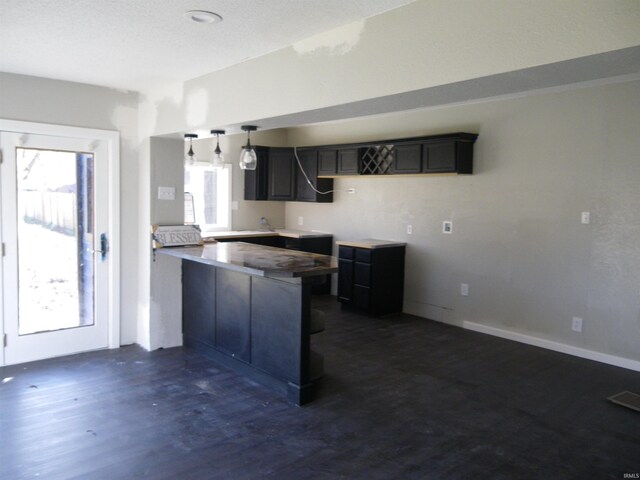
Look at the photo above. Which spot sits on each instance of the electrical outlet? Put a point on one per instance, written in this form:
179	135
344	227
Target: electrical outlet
234	205
300	220
576	324
351	190
447	226
409	229
464	289
166	193
585	218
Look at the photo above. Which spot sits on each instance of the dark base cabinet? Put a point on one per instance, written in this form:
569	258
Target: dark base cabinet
257	326
371	279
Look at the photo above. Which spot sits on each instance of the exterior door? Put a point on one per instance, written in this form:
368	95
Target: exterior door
56	231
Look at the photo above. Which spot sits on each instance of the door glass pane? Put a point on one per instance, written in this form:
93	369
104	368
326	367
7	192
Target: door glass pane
55	238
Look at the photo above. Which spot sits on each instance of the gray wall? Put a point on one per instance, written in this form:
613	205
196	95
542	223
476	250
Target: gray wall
517	238
42	100
164	327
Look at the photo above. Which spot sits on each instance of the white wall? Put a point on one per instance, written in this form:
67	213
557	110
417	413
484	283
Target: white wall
517	238
65	103
425	44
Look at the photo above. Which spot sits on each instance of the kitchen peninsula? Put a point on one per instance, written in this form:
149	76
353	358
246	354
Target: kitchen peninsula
248	307
304	241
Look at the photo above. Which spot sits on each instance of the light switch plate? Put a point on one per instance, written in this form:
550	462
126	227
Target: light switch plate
166	193
585	218
447	226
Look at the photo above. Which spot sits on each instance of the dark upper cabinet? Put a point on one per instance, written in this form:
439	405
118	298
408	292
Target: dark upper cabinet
282	174
440	157
447	153
304	191
448	157
309	162
278	177
348	161
327	162
408	159
256	182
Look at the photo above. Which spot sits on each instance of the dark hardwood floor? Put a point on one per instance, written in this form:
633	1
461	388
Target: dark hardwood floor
402	398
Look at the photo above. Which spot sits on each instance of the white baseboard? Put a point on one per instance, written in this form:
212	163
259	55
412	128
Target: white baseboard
555	346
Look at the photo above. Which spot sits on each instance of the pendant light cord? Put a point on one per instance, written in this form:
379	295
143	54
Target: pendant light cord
295	153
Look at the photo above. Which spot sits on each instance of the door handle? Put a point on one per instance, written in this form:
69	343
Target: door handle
104	247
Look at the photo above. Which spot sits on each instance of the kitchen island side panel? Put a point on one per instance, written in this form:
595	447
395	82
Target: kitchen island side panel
280	314
233	314
199	302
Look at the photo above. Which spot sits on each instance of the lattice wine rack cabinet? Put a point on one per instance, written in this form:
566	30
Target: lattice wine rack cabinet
377	159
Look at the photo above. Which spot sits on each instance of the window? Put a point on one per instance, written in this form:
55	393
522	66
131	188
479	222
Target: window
208	197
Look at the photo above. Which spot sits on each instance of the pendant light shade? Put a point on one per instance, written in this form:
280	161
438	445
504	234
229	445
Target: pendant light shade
248	157
217	159
190	158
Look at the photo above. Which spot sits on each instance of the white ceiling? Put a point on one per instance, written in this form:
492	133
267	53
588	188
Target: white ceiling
135	44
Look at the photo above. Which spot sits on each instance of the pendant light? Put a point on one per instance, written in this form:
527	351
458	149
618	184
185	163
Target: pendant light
248	157
217	160
190	158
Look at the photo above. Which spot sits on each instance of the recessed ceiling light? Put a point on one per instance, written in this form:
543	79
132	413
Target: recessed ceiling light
202	16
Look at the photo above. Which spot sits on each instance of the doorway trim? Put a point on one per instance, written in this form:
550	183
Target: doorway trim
112	139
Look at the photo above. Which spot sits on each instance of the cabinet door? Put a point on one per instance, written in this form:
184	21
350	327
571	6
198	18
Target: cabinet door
362	274
327	161
304	191
408	159
345	280
321	245
256	182
281	174
362	297
233	313
439	157
198	302
348	161
309	162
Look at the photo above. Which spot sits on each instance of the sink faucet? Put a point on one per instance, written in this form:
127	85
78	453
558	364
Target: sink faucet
264	224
